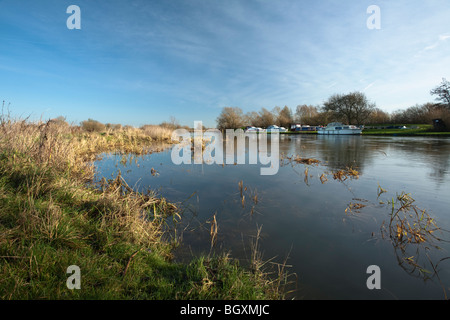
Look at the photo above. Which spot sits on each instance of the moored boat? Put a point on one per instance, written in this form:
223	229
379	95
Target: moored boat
339	128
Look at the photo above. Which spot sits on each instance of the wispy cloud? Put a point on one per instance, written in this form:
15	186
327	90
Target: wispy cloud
441	39
198	56
370	85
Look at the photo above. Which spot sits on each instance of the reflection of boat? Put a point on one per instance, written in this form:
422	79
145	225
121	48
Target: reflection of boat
339	128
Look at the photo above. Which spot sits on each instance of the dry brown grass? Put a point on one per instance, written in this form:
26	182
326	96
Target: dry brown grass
345	174
50	159
69	148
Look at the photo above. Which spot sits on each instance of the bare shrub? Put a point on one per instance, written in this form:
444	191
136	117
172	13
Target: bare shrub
91	125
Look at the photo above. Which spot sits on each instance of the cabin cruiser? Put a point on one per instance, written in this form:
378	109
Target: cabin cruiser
339	128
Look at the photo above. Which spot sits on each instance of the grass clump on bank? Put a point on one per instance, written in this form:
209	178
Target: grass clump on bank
50	220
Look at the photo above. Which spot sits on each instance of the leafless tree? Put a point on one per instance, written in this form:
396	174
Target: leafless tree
354	108
285	117
306	113
265	118
230	118
443	92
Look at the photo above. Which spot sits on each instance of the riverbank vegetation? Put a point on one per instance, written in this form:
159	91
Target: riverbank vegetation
352	108
404	130
51	217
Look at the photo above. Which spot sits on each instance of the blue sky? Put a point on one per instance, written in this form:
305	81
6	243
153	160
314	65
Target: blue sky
138	62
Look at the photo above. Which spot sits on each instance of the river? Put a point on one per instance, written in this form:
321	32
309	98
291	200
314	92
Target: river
329	227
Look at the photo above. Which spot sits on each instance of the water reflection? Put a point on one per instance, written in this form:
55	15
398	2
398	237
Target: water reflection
430	153
331	247
340	152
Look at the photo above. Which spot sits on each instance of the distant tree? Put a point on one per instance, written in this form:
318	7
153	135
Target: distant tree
378	116
172	124
305	114
60	120
285	117
265	118
420	114
443	92
91	125
251	118
322	118
354	108
230	118
398	116
113	126
276	111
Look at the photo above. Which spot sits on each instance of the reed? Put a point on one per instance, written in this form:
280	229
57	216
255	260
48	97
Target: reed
356	207
213	231
347	173
280	280
413	233
298	159
409	224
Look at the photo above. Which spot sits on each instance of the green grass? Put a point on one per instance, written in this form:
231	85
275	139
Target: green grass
51	219
412	130
299	132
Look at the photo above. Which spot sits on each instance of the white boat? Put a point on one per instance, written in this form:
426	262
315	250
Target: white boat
275	128
253	129
339	128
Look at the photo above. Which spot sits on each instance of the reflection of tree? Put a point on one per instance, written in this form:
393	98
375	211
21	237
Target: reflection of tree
434	151
334	151
340	152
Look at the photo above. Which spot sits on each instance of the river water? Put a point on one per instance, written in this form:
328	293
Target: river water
329	230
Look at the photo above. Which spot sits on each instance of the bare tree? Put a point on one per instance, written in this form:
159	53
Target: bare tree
420	114
230	118
172	124
305	114
265	118
285	117
443	92
91	125
251	118
378	116
354	108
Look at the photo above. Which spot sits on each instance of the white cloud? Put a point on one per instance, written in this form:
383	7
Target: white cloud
444	37
370	85
441	38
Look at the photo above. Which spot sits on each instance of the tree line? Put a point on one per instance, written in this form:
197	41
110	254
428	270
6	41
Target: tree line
91	125
352	108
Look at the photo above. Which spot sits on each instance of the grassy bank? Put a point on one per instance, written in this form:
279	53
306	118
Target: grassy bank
50	219
411	130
